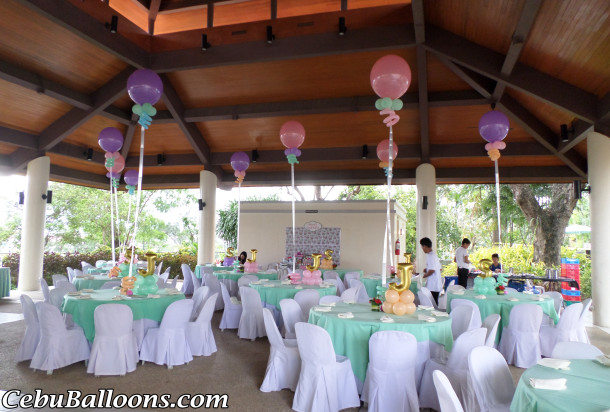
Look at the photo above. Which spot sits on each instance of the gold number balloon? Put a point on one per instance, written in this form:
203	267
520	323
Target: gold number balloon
407	257
405	270
316	262
329	254
230	252
150	268
483	266
253	253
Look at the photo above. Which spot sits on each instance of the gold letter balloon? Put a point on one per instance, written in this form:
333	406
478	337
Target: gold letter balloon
316	262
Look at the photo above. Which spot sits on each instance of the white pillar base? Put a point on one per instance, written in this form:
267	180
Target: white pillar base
207	217
425	180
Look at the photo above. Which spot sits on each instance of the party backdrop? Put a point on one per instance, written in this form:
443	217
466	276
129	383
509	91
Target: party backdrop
308	242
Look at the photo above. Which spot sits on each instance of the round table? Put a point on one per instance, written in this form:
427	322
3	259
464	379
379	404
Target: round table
350	337
92	281
230	278
341	272
273	291
372	281
91	271
587	389
199	269
501	305
5	282
143	308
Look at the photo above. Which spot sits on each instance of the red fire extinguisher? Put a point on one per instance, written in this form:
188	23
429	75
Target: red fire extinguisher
397	247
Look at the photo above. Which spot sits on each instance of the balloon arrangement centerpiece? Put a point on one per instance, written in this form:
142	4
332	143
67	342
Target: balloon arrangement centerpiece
251	266
398	298
485	284
125	262
229	257
390	78
146	280
240	163
502	282
327	262
312	275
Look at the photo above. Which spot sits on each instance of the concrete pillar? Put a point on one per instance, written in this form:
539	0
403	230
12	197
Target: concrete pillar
598	152
32	231
425	226
207	217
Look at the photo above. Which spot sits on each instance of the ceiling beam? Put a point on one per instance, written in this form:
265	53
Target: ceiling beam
522	31
86	27
131	129
580	131
77	177
153	10
19	139
297	47
21	157
68	123
422	79
481	84
551	90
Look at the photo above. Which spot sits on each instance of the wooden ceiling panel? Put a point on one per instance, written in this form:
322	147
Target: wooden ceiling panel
291	8
133	10
159	139
7	149
504	161
242	12
569	41
460	124
303	79
174	21
488	23
87	135
549	115
371	164
328	130
440	77
170	170
360	4
77	164
41	46
25	110
582	148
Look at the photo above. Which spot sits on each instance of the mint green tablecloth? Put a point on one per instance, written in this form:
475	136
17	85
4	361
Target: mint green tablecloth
82	309
342	272
198	269
588	389
236	276
95	283
93	271
273	295
351	336
502	306
5	282
372	281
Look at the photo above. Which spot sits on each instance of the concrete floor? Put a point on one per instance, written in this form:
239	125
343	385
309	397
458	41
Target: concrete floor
237	369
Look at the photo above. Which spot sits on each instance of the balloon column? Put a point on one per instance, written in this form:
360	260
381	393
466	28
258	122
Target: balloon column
311	275
327	262
501	285
292	135
485	284
239	162
229	257
398	298
251	266
390	78
146	280
145	88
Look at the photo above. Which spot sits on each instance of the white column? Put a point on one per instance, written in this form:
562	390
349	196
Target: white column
32	231
598	152
425	226
207	217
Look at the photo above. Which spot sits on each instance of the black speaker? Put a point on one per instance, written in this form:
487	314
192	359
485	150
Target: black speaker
577	189
21	198
424	203
201	204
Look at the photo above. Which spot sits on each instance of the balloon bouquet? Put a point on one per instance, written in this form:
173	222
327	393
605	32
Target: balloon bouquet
240	163
485	284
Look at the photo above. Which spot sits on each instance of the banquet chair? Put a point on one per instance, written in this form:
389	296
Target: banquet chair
307	299
165	275
251	323
338	284
350	295
213	283
161	283
566	329
56	296
58	345
447	398
232	312
390	376
199	333
158	268
442	300
45	290
78	273
491	323
575	350
291	315
520	342
99	263
32	330
326	380
425	298
582	320
476	320
558	303
199	298
85	266
70	274
174	282
244	281
115	349
111	284
187	285
59	278
167	344
283	274
196	281
284	362
330	274
456	369
206	270
330	299
461	319
491	378
273	265
350	275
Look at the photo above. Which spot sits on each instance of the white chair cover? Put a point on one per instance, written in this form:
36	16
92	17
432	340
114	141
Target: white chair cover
86	266
32	330
161	283
330	299
111	284
461	319
187	285
582	331
198	300
557	299
456	369
232	313
565	331
78	273
476	321
520	343
291	315
70	274
115	349
511	291
338	284
326	382
165	275
447	398
575	350
58	346
350	295
284	362
350	275
56	296
99	263
158	269
307	299
167	344
59	278
244	281
425	298
199	333
174	282
251	323
491	378
45	290
390	377
330	274
196	281
213	283
491	323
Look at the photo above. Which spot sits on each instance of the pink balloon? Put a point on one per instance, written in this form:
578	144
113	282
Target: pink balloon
383	150
316	274
390	76
292	134
488	146
119	163
306	274
501	145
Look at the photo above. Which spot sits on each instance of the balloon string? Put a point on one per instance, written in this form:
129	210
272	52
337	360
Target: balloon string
138	198
123	246
498	201
387	235
118	220
112	220
238	213
294	241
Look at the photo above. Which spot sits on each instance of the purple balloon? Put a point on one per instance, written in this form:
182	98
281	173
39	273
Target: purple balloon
240	161
111	139
292	150
144	86
112	174
131	177
493	126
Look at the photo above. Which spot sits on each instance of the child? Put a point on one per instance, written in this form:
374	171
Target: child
495	267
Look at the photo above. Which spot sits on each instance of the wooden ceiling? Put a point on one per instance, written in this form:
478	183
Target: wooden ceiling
63	79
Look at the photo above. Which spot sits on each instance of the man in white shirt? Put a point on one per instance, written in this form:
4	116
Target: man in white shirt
432	272
463	263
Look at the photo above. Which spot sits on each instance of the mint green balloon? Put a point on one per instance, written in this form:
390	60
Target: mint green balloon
397	104
378	104
137	109
386	102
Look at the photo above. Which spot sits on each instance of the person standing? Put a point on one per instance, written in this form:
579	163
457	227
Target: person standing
432	272
463	263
